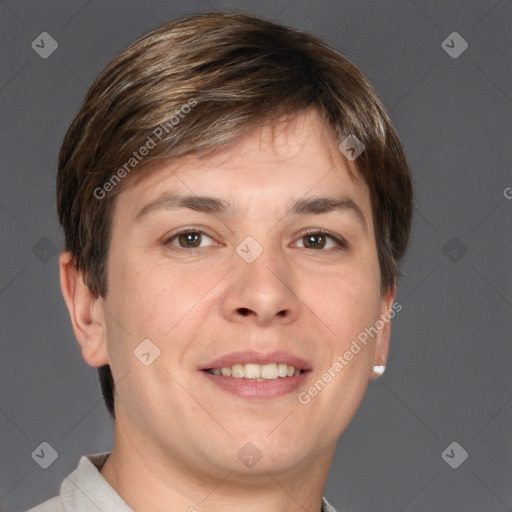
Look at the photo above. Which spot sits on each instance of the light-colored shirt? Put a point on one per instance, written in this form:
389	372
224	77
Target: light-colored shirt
85	490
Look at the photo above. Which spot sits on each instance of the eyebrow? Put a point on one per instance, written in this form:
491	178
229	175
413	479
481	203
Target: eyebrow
212	205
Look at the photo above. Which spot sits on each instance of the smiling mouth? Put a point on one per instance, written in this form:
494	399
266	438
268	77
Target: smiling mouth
258	372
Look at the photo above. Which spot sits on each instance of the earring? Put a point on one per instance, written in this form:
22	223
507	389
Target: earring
378	370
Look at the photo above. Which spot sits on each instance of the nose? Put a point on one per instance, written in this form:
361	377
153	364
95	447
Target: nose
262	292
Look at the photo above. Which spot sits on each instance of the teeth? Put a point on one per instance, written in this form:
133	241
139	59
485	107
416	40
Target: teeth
252	371
237	371
269	371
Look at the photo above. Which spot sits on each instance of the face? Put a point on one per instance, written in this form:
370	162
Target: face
259	277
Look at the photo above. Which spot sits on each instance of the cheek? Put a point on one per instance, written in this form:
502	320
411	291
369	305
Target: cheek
144	305
159	302
348	303
147	300
133	306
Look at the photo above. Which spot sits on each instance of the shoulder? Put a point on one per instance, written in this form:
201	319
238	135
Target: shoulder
52	505
83	485
326	506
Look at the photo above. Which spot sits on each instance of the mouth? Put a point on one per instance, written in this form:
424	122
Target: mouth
259	372
257	376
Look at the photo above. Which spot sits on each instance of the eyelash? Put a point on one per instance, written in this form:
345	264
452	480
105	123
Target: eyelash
340	242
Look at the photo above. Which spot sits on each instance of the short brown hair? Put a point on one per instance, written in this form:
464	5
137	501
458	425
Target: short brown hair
195	84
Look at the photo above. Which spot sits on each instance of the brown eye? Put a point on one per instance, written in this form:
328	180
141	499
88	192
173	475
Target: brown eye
188	239
191	239
315	241
319	240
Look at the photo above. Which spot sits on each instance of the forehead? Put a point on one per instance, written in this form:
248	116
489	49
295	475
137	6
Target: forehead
278	163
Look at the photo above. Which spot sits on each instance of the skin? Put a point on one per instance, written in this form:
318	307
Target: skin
176	434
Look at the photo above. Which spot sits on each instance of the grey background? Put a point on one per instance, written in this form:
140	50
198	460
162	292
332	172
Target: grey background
448	377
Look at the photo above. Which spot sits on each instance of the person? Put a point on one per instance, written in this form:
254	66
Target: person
235	203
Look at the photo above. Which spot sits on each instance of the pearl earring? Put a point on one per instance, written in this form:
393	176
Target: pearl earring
379	369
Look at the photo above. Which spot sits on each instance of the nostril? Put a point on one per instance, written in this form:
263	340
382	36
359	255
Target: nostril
244	311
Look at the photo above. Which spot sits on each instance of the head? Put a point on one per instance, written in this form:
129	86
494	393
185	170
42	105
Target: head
236	107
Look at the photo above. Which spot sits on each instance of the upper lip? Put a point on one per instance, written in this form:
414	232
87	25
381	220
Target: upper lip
261	358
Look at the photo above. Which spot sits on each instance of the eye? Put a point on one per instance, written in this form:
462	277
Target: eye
189	239
319	239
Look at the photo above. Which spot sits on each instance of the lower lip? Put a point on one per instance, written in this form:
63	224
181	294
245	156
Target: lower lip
260	389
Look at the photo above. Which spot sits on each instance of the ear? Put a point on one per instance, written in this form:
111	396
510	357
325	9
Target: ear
86	312
381	348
